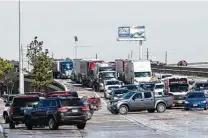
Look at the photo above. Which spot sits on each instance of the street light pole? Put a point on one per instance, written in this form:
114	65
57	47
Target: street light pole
21	75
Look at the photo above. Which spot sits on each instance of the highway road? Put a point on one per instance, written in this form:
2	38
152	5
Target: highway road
173	123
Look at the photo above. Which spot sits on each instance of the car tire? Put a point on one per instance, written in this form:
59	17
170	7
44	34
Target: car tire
151	110
105	95
52	124
11	125
161	108
205	108
114	112
123	109
81	126
186	109
6	118
28	123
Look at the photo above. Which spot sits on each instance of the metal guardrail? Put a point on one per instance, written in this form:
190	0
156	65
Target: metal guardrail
189	71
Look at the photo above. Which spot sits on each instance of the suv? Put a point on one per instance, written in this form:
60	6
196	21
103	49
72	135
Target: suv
57	111
19	105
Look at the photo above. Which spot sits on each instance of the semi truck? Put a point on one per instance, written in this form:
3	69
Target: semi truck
84	70
137	71
62	69
102	72
120	67
178	87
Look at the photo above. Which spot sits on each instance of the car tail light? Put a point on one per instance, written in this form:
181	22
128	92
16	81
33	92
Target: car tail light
62	109
85	108
11	112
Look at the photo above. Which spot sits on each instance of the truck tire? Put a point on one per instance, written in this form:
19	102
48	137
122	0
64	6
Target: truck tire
123	109
161	107
151	110
81	126
11	125
28	123
6	118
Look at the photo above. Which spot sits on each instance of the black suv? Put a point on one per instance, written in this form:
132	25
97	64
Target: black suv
19	105
57	111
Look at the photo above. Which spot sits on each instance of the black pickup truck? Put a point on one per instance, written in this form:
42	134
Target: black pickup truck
19	105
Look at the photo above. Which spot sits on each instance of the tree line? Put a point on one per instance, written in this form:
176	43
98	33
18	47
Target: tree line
41	73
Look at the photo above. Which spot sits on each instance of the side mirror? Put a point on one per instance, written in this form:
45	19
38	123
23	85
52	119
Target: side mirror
34	106
7	104
133	98
5	101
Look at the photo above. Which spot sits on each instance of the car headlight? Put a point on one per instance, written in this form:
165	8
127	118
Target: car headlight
186	102
204	102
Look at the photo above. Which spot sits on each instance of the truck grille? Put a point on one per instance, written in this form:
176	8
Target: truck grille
178	97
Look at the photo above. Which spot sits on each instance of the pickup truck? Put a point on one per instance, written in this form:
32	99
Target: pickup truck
139	101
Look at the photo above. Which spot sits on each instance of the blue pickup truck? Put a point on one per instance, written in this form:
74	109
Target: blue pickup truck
196	99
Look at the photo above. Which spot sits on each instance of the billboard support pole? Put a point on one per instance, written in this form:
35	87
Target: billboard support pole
140	50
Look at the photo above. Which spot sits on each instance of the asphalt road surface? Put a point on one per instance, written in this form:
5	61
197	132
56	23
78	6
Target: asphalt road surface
174	123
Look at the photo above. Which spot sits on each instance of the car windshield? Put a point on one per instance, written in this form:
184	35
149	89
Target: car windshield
131	87
120	92
159	86
66	66
113	87
26	101
108	75
201	86
196	95
179	87
149	86
142	74
165	76
128	95
71	102
11	98
112	83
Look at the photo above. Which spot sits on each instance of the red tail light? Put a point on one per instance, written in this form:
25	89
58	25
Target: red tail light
11	112
62	109
173	99
85	108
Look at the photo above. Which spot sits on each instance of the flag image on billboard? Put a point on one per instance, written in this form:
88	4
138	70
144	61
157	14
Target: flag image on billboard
131	33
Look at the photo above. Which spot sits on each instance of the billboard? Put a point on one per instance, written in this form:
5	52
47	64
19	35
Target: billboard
131	33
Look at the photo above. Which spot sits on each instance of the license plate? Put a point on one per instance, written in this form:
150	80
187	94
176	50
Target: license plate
180	102
195	104
74	110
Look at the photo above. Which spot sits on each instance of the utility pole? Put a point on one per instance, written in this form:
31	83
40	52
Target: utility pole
21	75
166	57
131	54
140	50
96	56
147	54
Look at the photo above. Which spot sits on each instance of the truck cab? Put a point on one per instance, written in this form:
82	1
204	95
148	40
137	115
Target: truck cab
178	87
156	87
137	71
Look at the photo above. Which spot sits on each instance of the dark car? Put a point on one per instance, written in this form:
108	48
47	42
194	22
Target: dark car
182	63
131	87
117	93
196	99
18	106
55	112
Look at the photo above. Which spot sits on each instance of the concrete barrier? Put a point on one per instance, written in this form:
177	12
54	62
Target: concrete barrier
188	71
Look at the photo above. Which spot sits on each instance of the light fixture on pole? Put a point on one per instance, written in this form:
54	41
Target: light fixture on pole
76	46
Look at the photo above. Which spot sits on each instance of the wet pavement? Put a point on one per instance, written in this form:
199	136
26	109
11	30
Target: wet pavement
174	123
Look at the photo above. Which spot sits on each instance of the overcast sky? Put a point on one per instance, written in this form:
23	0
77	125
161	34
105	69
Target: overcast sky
181	28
